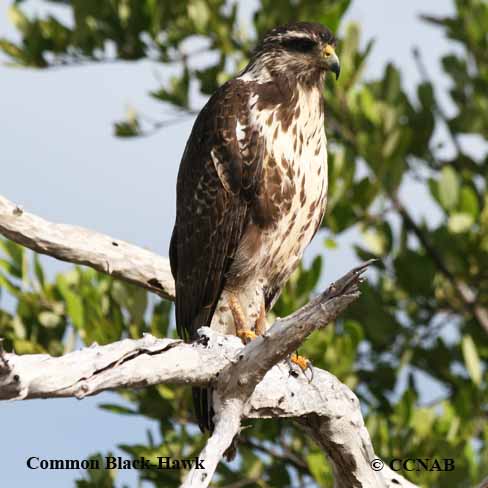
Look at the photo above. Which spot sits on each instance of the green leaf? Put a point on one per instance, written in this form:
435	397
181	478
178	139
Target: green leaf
49	319
368	106
166	392
331	13
468	202
177	90
39	272
160	319
74	304
98	477
459	222
471	359
330	243
391	143
9	285
14	251
317	466
391	84
126	129
434	190
354	331
199	13
130	127
10	49
133	298
374	242
379	239
422	421
426	94
10	268
111	407
18	19
407	265
448	188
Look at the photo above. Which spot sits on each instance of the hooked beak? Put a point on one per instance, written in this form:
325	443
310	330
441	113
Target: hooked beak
331	60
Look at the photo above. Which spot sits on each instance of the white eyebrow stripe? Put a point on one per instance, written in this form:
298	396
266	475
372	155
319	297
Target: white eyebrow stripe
293	35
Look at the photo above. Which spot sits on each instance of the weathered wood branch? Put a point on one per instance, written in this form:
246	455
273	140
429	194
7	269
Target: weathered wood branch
248	382
83	246
237	381
324	401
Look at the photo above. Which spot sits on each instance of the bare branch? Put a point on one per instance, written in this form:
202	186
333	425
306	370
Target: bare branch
227	424
286	335
82	246
244	381
150	361
237	381
247	382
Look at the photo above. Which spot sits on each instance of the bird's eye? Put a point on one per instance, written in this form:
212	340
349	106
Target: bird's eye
299	44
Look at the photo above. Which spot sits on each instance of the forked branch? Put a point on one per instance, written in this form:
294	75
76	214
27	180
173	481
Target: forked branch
248	382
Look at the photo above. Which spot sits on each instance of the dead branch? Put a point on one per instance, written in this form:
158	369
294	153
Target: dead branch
248	382
83	246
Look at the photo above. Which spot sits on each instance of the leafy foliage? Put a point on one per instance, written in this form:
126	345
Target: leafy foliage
422	321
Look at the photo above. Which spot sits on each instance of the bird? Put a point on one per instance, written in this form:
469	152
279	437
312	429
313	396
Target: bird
251	189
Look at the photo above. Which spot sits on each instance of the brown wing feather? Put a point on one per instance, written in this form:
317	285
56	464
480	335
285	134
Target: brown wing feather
216	185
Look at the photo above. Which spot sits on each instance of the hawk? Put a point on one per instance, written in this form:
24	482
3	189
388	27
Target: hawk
252	188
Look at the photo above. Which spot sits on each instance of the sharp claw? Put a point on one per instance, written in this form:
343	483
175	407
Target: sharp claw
309	367
303	363
290	366
246	336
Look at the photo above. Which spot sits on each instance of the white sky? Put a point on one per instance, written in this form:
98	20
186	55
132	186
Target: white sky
58	159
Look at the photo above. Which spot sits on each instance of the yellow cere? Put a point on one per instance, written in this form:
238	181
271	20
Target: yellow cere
328	50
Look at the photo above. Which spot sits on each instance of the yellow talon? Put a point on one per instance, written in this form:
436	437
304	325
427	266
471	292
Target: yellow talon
246	335
301	361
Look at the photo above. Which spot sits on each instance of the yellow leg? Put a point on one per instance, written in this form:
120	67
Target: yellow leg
245	334
261	323
301	361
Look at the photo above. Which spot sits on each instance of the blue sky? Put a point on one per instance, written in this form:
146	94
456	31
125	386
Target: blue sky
59	160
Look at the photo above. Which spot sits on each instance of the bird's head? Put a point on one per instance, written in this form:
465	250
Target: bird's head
304	49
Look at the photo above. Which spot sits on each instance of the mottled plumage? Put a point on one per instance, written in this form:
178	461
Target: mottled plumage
252	185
